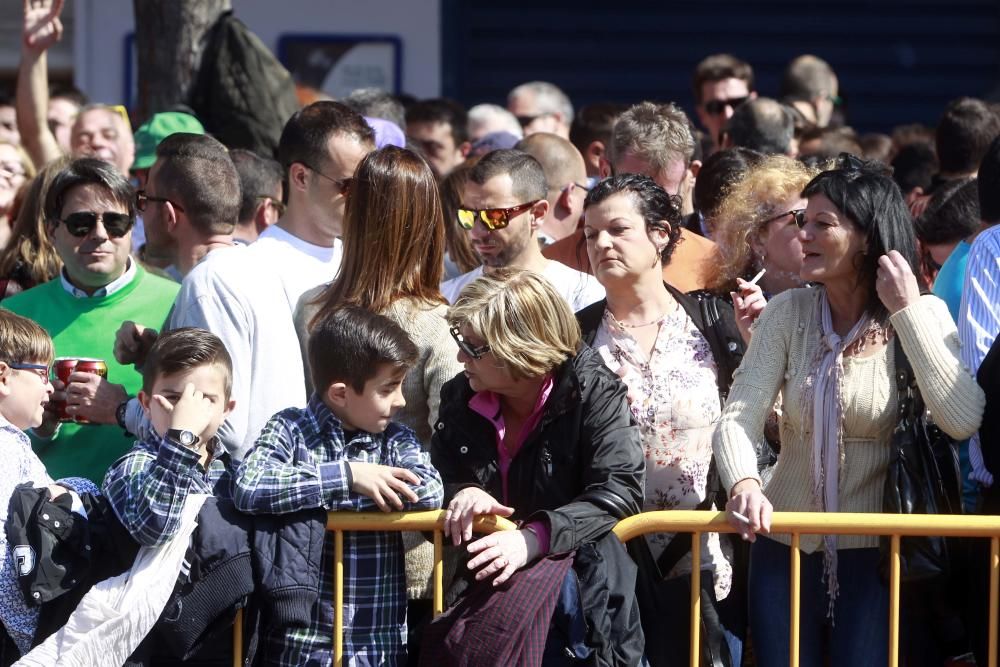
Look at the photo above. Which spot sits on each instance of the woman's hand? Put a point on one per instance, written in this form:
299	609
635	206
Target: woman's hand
748	304
464	507
503	553
895	283
747	501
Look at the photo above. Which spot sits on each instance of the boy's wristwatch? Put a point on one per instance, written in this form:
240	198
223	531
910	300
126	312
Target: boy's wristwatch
182	437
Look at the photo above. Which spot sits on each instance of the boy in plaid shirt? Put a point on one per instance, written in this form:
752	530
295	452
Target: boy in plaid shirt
343	452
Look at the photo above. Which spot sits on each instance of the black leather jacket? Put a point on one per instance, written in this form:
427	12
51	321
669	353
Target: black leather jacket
585	444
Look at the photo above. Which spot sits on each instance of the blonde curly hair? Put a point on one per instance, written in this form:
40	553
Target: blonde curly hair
750	202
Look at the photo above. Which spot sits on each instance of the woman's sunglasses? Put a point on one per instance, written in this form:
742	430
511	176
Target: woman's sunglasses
492	218
81	223
466	346
798	217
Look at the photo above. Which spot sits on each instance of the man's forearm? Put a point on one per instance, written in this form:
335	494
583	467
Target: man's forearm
32	108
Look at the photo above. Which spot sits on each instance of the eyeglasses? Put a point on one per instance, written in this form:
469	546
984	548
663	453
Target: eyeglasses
142	199
41	370
492	218
343	183
81	223
275	202
718	107
525	121
798	217
465	346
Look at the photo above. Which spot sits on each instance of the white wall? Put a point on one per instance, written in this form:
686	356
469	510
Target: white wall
101	26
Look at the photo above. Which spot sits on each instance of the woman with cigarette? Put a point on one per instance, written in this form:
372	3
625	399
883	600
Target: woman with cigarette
755	227
675	352
830	351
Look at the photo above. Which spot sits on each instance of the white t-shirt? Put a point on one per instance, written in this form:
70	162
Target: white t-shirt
230	294
296	264
579	289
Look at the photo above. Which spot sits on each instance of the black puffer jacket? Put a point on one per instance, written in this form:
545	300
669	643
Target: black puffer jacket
585	443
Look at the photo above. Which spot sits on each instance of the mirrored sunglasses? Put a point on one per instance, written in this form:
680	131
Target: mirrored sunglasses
492	218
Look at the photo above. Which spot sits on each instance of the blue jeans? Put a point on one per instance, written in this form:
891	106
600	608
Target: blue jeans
857	635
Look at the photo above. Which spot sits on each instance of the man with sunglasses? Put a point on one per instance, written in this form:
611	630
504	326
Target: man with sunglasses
320	147
192	202
721	83
503	205
541	106
91	211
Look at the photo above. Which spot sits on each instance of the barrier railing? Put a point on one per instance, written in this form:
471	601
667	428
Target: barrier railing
696	522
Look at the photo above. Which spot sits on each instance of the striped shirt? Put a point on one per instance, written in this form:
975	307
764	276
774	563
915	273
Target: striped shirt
979	319
301	461
148	486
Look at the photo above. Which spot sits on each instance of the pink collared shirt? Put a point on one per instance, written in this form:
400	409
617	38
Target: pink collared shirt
487	404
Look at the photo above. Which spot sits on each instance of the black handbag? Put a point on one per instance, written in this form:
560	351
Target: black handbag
922	478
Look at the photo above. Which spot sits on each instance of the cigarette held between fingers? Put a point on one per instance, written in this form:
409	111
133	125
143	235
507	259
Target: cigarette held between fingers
741	518
760	274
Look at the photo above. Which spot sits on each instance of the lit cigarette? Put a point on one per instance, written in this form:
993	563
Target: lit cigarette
740	517
757	277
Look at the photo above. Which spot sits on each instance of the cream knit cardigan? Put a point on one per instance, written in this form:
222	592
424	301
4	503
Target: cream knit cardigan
784	345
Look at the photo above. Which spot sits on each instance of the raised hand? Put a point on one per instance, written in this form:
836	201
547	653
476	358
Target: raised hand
42	25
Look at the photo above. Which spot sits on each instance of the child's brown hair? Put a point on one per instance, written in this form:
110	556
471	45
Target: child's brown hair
23	340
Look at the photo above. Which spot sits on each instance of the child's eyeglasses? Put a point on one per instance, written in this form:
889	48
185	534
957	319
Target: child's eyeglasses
81	223
466	346
41	370
492	218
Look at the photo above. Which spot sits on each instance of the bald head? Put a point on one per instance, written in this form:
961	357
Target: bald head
560	159
566	176
763	125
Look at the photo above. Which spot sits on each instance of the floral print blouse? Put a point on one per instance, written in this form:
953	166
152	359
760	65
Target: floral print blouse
674	397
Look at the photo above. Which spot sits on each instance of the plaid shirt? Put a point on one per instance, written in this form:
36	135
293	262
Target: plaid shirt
147	487
301	461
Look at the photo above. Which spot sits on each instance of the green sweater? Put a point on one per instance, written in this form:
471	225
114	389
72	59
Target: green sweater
86	327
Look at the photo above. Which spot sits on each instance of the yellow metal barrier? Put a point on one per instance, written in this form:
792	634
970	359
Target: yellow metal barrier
800	523
338	522
695	522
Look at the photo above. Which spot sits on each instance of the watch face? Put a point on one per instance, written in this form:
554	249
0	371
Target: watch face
187	438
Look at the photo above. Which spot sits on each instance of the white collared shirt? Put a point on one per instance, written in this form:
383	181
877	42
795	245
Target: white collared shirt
109	289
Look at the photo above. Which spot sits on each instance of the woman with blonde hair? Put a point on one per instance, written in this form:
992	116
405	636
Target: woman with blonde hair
29	258
537	428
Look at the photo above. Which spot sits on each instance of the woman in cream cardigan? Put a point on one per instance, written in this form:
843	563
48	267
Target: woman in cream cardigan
829	350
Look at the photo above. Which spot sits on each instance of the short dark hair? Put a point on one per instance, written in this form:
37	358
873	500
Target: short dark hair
963	134
763	125
806	78
721	170
866	194
952	214
22	340
350	343
306	133
989	184
719	67
196	171
525	171
88	171
914	167
377	103
69	92
652	202
181	350
441	110
594	122
259	177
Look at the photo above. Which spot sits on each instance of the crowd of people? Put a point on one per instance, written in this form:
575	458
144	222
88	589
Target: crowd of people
561	316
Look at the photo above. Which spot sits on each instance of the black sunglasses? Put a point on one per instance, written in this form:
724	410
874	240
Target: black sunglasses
466	346
81	223
798	217
142	199
717	107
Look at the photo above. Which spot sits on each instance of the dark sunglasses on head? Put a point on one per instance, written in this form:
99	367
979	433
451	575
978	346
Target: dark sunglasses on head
798	217
465	346
41	370
717	107
493	218
82	223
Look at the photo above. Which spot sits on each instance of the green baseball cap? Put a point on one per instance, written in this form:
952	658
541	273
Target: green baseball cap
156	129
